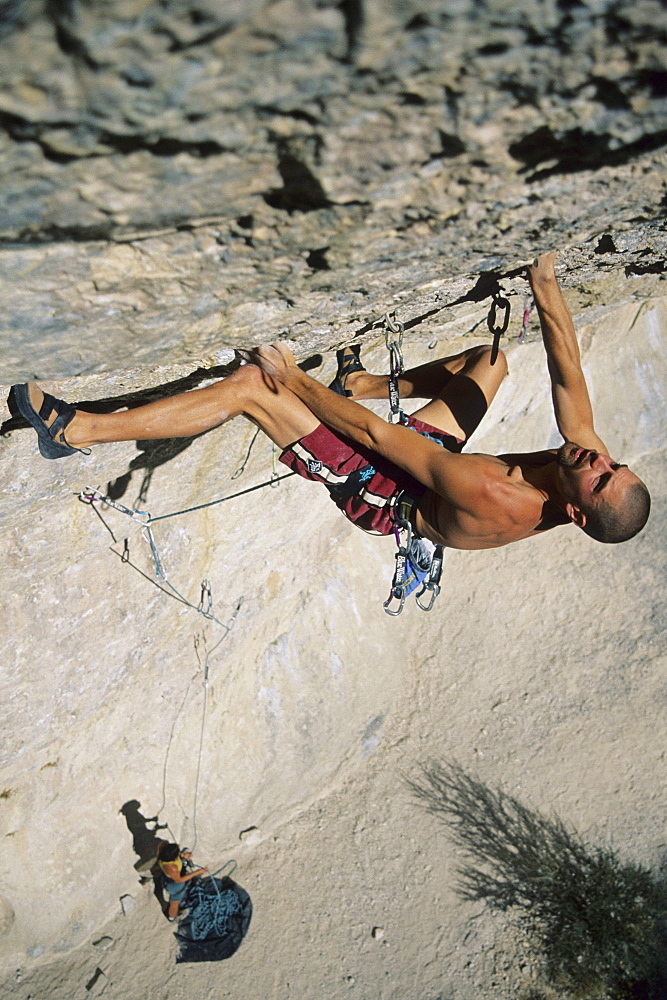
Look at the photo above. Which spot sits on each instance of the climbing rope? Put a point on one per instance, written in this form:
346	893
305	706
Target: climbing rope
241	468
91	495
212	913
200	751
167	755
199	641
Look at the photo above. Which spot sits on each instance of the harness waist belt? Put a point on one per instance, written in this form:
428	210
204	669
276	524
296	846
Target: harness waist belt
341	492
405	509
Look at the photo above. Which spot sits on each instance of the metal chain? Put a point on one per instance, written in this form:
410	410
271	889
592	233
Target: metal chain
498	329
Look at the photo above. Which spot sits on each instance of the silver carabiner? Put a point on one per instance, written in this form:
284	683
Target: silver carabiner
393	336
432	583
435	590
391	597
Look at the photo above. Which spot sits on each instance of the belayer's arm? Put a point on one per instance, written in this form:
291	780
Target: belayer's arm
572	405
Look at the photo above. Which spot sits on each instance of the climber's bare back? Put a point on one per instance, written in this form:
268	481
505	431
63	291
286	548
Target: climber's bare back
506	507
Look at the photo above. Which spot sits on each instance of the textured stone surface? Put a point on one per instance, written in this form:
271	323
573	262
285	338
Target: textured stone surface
177	180
542	669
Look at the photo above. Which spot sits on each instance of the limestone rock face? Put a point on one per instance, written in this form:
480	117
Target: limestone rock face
179	179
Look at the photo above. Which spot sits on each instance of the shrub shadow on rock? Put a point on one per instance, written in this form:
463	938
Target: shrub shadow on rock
598	924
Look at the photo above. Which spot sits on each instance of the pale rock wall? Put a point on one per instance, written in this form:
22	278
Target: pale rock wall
98	661
176	182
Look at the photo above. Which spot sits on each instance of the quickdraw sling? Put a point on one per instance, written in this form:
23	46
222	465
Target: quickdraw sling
416	566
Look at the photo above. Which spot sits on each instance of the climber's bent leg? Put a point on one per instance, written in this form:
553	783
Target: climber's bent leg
423	382
460	406
460	388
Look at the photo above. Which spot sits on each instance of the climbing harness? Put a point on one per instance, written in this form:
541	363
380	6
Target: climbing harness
498	329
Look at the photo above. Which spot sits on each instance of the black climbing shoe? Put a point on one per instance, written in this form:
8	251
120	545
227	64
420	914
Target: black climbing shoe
348	362
50	437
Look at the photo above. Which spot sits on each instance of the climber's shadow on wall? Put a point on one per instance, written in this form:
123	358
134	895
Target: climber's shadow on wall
145	842
144	831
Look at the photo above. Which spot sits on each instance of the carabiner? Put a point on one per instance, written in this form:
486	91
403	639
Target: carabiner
434	589
399	594
398	583
432	584
393	336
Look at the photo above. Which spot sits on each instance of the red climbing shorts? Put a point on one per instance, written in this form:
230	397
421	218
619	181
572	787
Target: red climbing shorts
326	457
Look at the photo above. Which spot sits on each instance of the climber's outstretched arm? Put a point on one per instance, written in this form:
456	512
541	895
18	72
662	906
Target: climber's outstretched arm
572	405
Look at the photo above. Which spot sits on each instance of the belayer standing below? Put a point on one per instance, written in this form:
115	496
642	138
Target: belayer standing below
464	501
170	859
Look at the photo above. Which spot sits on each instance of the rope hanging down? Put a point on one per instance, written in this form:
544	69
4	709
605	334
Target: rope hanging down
199	640
92	495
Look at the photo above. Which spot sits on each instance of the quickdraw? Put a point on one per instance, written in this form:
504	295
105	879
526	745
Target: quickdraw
415	566
432	583
393	335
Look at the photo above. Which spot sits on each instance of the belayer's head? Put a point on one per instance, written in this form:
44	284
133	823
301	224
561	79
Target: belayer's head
168	852
602	497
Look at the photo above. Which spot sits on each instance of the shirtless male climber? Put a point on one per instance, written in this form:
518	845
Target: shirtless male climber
470	501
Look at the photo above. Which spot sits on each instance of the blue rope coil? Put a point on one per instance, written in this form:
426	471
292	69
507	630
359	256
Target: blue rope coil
211	913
